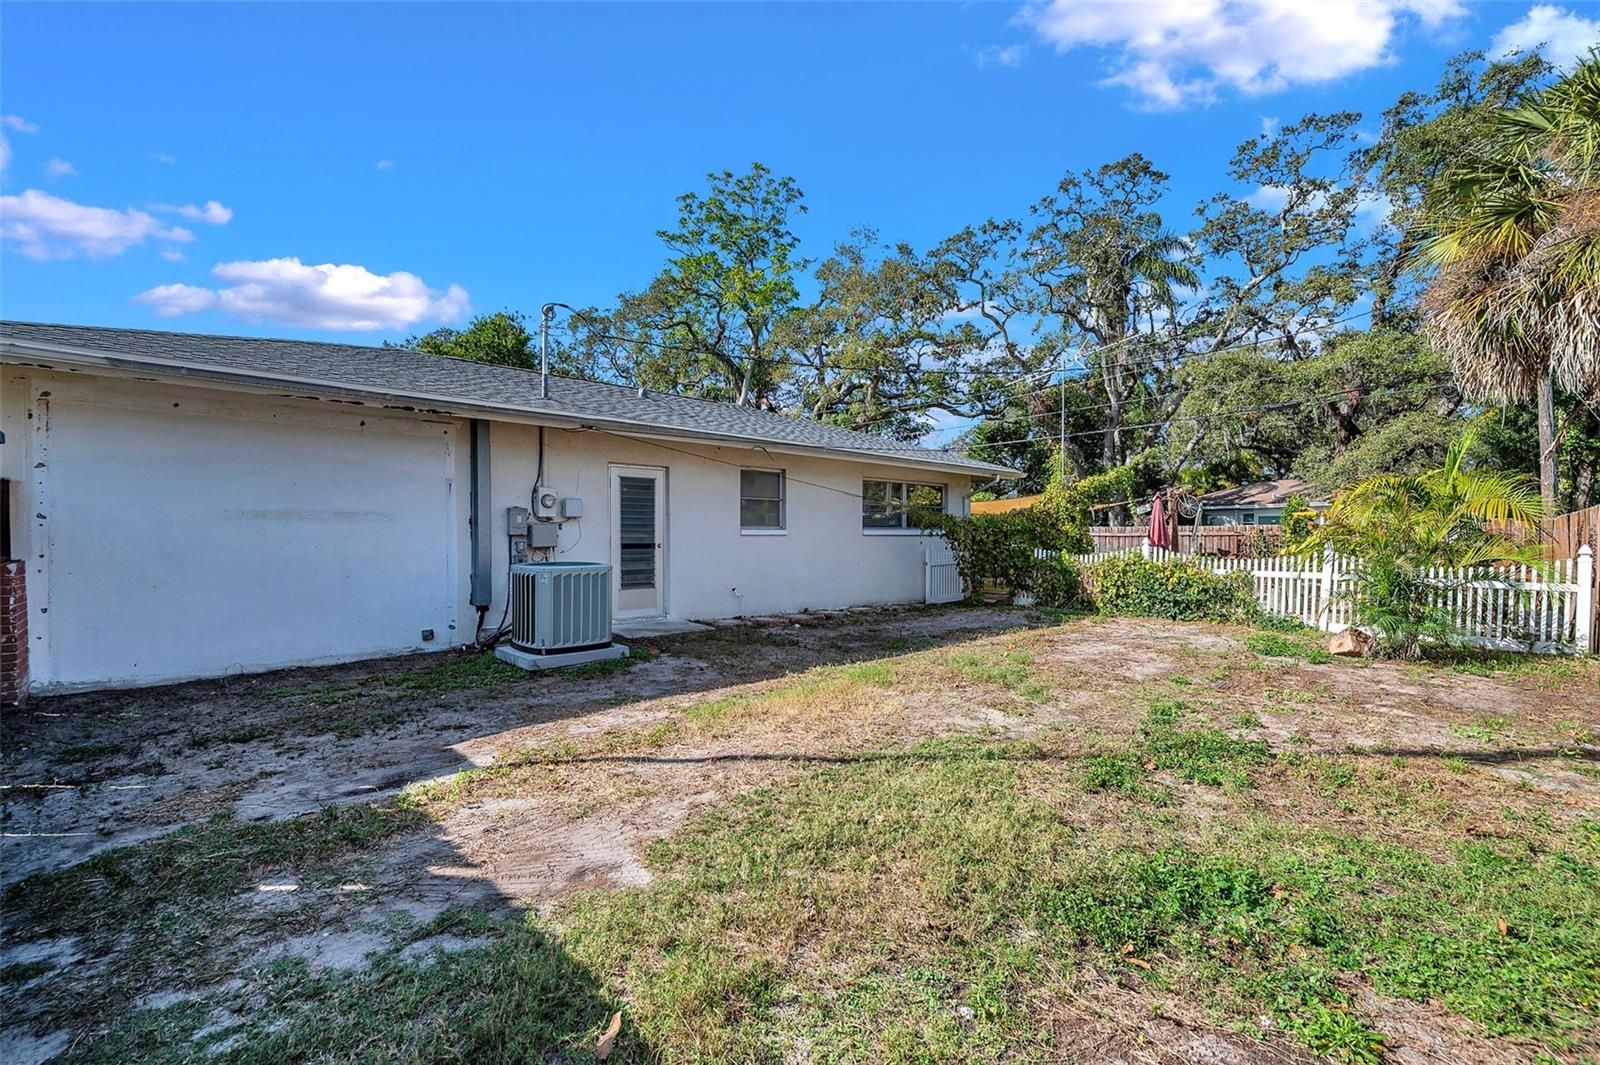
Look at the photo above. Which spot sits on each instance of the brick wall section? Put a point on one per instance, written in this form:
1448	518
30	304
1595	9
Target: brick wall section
13	634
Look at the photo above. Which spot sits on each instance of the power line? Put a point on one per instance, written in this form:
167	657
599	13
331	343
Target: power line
1149	360
1189	333
1176	360
1261	408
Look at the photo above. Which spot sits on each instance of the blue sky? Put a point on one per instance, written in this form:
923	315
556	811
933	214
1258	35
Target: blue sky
362	172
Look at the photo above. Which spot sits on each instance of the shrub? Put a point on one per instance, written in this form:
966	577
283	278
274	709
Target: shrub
1400	530
1299	522
1174	589
1002	549
1056	584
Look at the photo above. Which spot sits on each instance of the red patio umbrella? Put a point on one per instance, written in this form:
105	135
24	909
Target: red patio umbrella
1160	534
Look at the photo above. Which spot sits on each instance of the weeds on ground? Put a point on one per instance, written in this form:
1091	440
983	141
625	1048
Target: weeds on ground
1485	729
171	903
1012	670
1202	754
605	667
1277	645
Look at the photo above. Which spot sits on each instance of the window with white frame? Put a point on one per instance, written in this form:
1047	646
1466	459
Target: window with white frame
894	504
761	500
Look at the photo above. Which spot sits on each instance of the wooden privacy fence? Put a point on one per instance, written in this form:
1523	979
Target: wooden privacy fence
1229	541
1513	608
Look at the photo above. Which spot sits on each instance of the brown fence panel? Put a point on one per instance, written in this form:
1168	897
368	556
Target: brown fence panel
1231	541
1226	541
1118	537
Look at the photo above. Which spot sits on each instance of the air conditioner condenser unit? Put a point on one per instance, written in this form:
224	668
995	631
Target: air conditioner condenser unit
560	615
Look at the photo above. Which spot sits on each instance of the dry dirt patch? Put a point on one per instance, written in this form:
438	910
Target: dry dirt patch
546	786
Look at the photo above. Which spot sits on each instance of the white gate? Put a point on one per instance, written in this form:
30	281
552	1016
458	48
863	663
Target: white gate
941	581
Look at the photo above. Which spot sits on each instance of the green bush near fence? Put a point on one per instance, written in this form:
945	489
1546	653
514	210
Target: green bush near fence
1002	550
1173	589
1057	584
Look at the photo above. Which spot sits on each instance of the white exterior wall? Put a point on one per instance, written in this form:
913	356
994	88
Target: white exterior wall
174	532
328	461
823	560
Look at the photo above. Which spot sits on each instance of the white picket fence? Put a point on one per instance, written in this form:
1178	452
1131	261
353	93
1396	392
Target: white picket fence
1513	608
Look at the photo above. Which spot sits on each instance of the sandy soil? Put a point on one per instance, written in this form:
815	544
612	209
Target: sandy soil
91	771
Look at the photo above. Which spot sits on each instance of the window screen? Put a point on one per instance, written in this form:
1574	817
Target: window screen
761	499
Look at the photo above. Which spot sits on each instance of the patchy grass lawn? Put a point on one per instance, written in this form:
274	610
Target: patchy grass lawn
934	836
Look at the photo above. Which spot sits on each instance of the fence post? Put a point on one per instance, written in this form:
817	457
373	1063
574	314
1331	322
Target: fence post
1583	634
1326	585
1146	550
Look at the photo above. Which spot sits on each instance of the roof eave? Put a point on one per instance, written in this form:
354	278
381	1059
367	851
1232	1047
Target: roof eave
26	353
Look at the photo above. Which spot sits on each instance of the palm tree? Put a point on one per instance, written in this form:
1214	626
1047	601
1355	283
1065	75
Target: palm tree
1399	528
1513	231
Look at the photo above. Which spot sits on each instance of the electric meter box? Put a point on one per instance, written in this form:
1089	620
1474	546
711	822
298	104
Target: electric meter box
546	503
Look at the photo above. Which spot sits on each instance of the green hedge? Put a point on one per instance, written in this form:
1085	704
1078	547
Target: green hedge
1176	590
1057	584
1000	549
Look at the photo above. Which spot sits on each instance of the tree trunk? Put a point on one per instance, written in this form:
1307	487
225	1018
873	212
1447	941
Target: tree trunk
1547	442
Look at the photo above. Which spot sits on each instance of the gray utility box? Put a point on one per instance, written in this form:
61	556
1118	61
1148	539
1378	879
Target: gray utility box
560	606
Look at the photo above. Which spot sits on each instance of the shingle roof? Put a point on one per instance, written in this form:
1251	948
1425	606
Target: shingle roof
412	378
1257	494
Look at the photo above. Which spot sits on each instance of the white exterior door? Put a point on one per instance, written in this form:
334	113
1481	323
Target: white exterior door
219	536
638	540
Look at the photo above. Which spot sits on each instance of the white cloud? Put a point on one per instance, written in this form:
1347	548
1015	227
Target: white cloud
944	427
59	167
49	227
170	300
1269	126
1009	56
163	157
211	212
1371	209
173	255
385	164
289	292
1174	53
17	124
1561	36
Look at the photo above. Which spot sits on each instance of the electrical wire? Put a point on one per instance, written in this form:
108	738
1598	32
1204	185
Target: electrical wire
1150	360
1090	374
1258	409
1262	408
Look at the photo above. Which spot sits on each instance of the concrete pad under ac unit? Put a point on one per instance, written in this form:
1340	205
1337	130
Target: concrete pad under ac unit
530	661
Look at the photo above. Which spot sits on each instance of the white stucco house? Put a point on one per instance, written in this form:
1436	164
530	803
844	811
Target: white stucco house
184	506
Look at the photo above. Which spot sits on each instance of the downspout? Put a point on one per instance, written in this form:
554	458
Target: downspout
481	520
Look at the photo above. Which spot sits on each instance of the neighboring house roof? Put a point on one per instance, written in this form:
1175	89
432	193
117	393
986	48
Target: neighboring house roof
1000	506
1257	494
414	380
